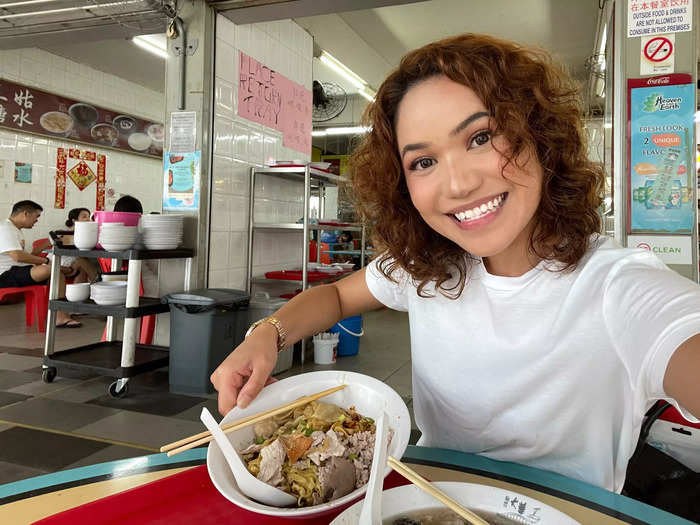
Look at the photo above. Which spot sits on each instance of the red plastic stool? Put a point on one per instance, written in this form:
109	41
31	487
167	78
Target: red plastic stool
36	299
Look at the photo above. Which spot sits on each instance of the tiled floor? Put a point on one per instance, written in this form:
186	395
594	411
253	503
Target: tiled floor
73	422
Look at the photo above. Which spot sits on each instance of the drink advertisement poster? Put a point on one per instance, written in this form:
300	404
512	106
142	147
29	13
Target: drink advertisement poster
181	181
660	154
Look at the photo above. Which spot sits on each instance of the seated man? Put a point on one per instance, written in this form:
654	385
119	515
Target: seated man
19	268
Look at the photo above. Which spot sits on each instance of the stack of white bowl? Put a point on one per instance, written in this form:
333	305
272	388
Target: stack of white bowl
162	232
85	235
108	293
77	292
115	236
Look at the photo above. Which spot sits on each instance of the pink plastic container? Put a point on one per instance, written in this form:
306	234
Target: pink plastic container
128	218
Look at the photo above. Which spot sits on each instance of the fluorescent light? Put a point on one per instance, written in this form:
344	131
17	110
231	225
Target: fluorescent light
348	130
27	2
367	93
65	9
149	46
342	70
607	125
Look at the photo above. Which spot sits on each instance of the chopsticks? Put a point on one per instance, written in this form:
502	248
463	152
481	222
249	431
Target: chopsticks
435	492
205	437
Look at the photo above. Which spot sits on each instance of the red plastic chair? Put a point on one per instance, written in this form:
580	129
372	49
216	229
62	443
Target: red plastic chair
148	323
36	299
38	242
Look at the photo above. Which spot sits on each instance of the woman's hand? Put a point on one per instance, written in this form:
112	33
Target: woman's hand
241	376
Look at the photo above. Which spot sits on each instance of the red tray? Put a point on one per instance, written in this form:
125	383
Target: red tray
295	275
186	498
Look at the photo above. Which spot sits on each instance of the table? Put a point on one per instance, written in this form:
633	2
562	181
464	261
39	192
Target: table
177	490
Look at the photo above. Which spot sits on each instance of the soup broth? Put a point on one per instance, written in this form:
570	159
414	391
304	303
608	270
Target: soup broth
442	516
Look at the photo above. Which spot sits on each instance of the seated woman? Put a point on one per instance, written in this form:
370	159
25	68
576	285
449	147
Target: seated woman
81	270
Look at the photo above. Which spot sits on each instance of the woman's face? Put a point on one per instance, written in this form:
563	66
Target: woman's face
83	216
457	179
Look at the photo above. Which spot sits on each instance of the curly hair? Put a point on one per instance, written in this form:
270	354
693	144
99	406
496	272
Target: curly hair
533	104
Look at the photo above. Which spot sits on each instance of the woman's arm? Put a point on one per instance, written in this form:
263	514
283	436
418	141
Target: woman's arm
246	370
682	378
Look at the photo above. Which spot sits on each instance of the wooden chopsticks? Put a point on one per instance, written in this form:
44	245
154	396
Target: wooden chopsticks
206	437
435	492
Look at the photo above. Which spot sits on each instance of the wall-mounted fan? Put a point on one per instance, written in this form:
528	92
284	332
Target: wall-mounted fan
329	99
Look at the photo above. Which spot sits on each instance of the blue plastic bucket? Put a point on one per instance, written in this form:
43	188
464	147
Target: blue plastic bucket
350	331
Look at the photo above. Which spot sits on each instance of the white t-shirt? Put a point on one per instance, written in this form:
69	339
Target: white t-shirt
552	370
11	238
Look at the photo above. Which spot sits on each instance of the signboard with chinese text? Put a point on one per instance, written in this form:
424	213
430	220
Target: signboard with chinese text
660	165
271	99
656	17
30	110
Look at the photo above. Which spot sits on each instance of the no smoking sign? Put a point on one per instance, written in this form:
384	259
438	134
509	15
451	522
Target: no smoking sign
657	54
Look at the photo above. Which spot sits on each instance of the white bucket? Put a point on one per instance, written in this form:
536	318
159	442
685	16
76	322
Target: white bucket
325	348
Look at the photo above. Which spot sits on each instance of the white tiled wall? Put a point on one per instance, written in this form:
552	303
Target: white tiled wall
125	173
239	144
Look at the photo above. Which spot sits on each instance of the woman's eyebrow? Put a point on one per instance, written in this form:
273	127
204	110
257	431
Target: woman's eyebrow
468	121
458	128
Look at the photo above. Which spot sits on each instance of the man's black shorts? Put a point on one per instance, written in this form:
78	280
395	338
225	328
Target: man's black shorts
18	276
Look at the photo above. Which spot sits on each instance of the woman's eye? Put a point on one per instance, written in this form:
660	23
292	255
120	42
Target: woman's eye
422	163
481	138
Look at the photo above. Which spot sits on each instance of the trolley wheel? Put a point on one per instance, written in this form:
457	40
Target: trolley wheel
48	374
113	392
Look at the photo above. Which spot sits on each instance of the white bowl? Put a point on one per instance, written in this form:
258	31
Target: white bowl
400	501
368	395
77	292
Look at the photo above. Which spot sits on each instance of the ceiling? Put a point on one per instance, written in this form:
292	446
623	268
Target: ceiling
368	41
372	41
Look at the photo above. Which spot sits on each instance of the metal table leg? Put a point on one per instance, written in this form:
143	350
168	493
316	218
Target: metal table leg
51	317
131	324
111	330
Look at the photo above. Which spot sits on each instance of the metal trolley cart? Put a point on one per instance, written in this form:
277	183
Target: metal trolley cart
119	359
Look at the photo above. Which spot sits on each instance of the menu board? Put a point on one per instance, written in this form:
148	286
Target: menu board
31	110
660	149
271	99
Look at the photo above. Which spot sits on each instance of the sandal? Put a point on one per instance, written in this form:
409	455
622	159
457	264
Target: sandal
70	324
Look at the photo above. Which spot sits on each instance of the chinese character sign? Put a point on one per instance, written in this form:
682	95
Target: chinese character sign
82	168
36	111
271	99
656	17
661	114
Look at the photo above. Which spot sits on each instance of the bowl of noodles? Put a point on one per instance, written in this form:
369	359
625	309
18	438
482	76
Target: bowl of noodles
320	453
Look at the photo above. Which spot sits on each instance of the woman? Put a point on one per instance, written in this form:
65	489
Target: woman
533	339
81	269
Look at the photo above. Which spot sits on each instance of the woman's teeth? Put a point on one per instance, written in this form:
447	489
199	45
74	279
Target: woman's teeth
481	211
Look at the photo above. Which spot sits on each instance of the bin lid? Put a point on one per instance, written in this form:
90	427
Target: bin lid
207	297
263	300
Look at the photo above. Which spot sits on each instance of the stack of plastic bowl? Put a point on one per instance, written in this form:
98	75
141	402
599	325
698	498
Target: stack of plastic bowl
114	236
77	292
126	218
162	232
108	293
85	235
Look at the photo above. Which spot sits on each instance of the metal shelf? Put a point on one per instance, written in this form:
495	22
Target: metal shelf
105	359
131	254
297	172
299	227
147	306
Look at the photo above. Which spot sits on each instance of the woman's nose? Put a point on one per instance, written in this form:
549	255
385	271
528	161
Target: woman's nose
461	178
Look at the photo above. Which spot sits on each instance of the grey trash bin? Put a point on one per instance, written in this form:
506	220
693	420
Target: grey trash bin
205	327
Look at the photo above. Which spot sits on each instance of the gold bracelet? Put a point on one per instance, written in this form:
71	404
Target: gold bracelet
281	332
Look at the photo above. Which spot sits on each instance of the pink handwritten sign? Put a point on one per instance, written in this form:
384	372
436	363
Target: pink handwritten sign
271	99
